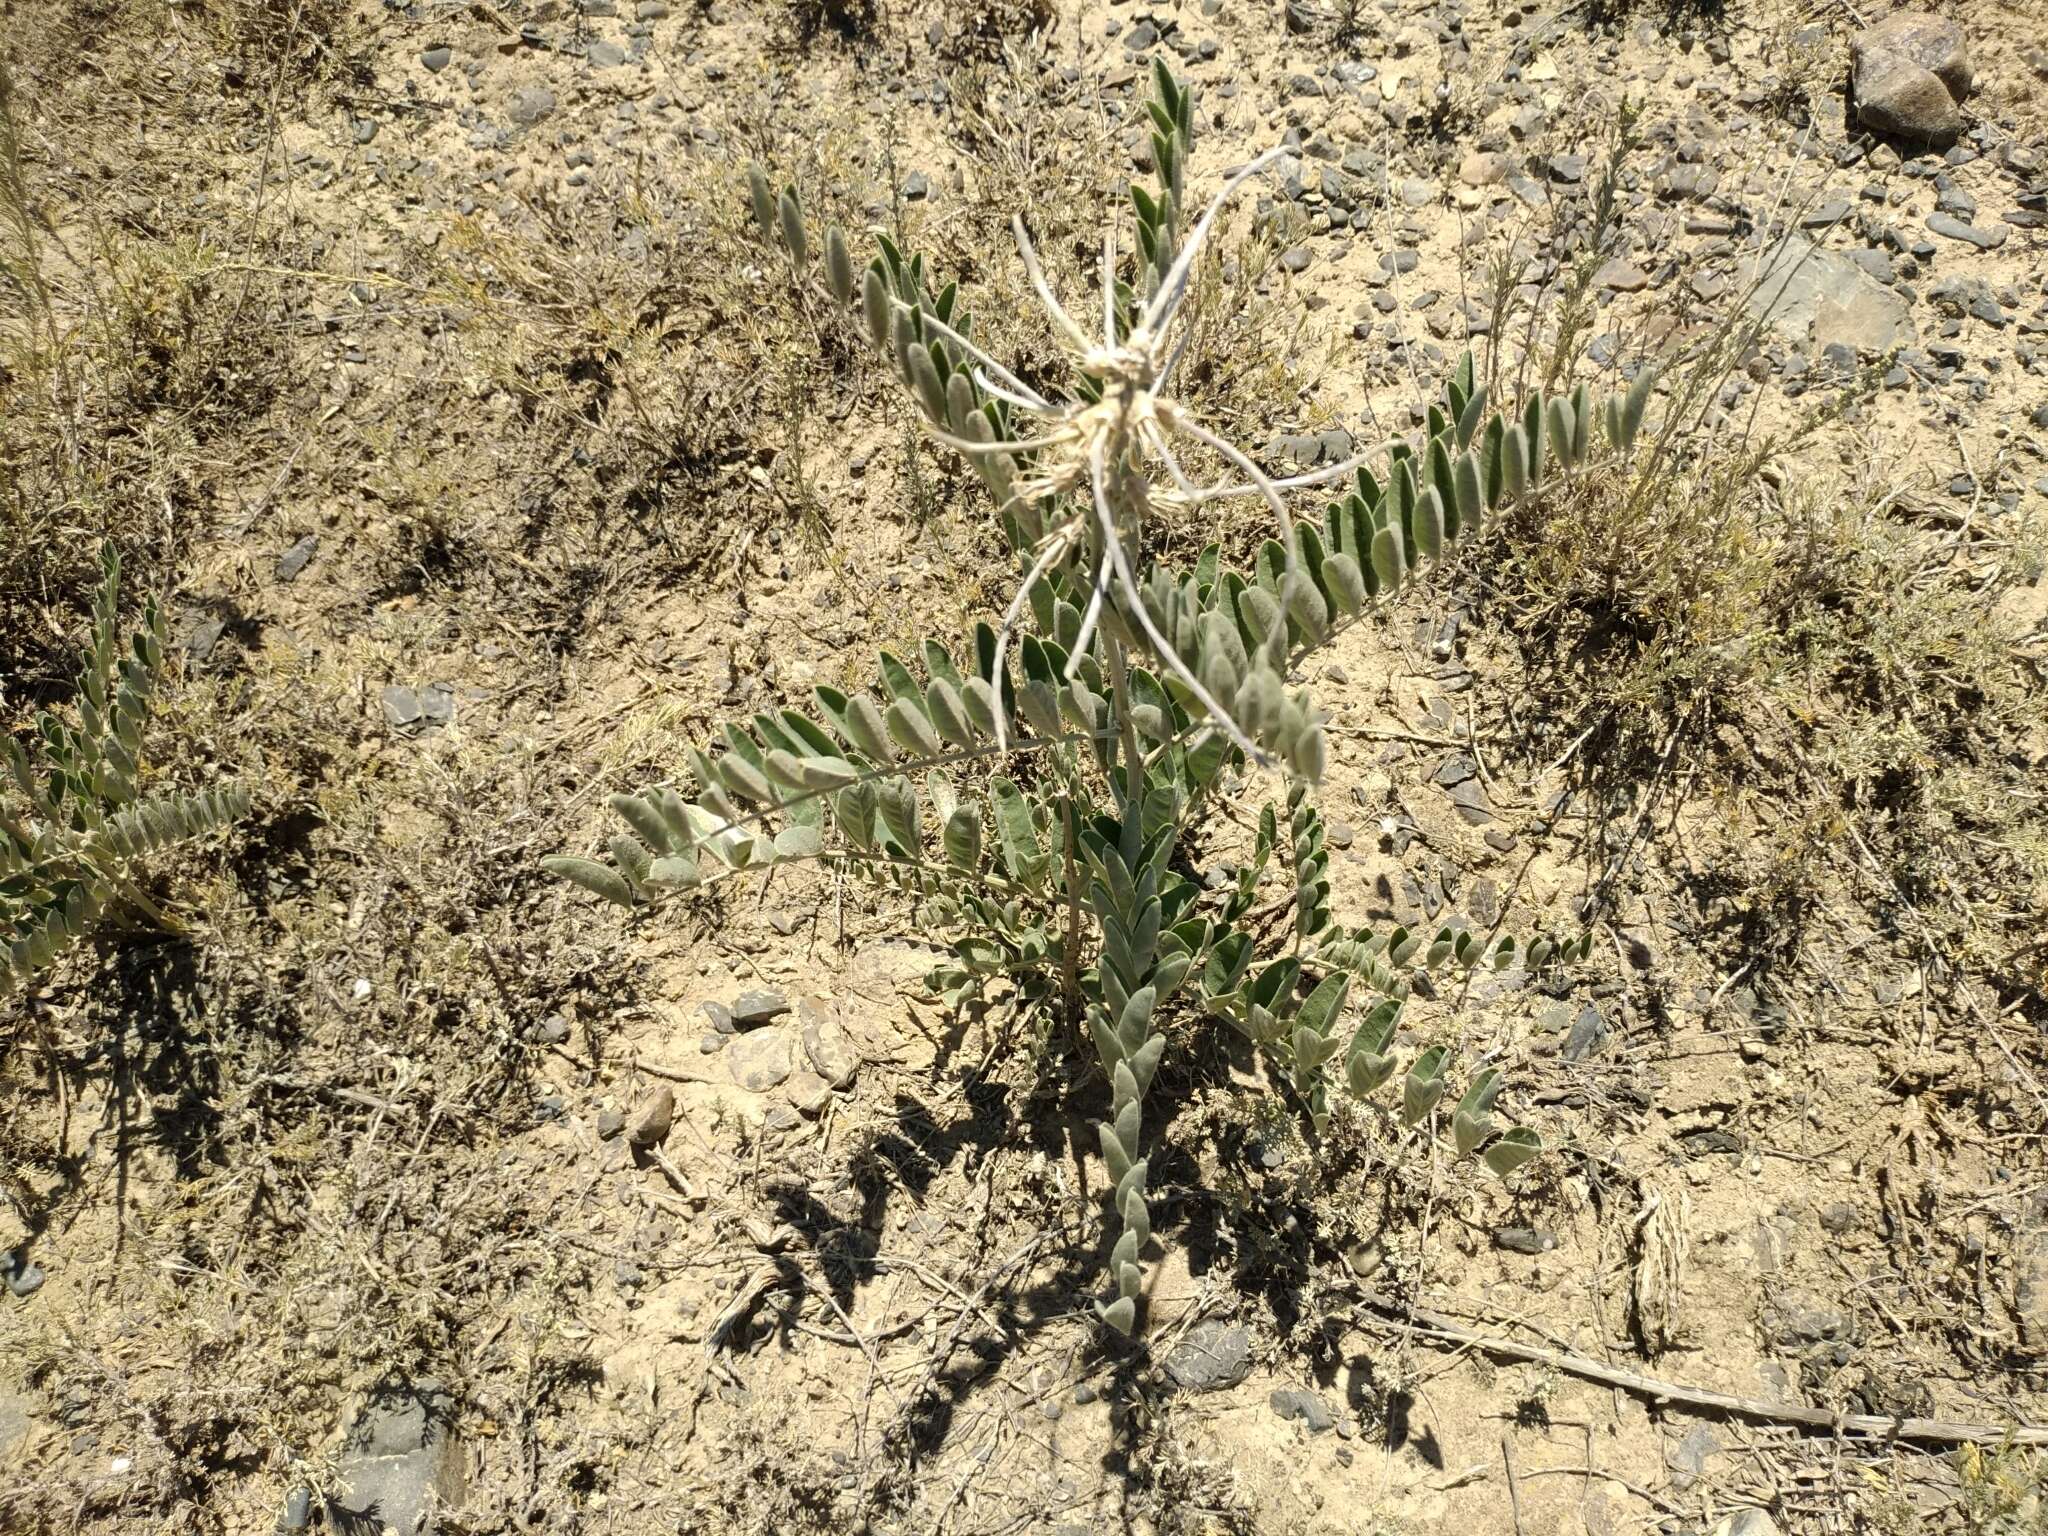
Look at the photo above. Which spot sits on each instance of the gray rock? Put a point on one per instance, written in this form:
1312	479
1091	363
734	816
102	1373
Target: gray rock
719	1015
755	1008
657	1115
759	1060
293	560
23	1276
436	59
916	186
1934	43
1746	1522
1690	1456
298	1510
605	55
1214	1355
1896	96
1297	258
1469	800
203	637
1311	1410
530	105
825	1043
1954	228
401	706
610	1123
1806	293
401	1461
1589	1033
809	1092
1838	1218
1529	1240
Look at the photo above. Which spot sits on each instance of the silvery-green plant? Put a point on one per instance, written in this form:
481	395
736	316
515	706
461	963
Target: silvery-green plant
75	825
1131	687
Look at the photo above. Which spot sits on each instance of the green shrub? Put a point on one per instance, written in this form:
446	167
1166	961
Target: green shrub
74	827
1140	689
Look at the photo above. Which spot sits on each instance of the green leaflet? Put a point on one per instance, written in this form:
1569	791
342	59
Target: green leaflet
598	879
1514	1148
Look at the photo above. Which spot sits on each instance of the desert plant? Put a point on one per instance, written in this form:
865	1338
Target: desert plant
1143	688
69	850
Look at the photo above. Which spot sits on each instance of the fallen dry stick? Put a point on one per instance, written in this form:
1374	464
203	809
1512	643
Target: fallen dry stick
1417	1322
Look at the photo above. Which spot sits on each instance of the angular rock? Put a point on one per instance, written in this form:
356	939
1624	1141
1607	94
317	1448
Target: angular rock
1746	1522
809	1092
1311	1410
1589	1033
760	1060
1810	294
1689	1458
651	1125
830	1053
1213	1356
294	560
22	1275
758	1007
1529	1240
401	1461
1954	228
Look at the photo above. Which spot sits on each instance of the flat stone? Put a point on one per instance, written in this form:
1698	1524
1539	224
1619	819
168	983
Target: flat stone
1808	294
1529	1240
827	1047
1953	228
759	1060
1589	1033
294	560
1213	1356
1622	276
530	105
751	1009
401	1462
809	1092
1690	1456
1469	799
1311	1410
401	706
605	55
610	1124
